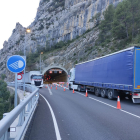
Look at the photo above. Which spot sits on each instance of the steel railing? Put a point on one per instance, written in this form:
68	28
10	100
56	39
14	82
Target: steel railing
23	112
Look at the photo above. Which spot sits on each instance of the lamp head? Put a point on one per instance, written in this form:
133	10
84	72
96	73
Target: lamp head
28	30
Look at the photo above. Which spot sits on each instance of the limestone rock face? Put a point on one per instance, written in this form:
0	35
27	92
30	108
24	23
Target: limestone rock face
5	46
76	52
55	21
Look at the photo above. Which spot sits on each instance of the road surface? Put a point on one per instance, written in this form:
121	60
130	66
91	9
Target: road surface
82	118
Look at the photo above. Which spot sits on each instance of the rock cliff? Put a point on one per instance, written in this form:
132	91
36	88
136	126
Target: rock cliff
55	21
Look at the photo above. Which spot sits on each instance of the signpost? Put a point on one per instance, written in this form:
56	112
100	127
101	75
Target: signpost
16	64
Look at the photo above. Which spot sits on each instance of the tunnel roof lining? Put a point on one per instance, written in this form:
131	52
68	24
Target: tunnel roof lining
51	67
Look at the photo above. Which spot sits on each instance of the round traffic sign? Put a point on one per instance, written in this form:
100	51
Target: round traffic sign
19	76
16	63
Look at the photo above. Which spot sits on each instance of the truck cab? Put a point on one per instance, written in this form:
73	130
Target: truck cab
33	78
72	75
72	79
37	80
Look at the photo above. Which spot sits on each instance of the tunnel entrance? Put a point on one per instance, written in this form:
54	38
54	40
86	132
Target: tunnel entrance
54	75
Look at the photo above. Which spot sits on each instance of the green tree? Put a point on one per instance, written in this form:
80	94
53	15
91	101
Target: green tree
135	15
6	106
121	21
11	101
1	110
4	93
120	24
3	76
6	101
126	19
106	24
59	45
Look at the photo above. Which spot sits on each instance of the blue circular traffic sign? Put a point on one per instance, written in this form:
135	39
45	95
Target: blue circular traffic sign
16	63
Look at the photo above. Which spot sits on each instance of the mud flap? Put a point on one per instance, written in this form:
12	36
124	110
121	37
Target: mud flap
116	94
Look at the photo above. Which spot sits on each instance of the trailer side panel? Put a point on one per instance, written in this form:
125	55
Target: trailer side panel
113	70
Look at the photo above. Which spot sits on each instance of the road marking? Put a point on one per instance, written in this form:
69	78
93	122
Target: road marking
75	91
49	90
54	120
110	105
80	93
130	113
102	102
115	108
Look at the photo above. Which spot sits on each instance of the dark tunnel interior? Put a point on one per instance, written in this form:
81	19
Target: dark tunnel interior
55	75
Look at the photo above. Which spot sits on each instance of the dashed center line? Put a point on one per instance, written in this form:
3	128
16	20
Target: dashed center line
49	90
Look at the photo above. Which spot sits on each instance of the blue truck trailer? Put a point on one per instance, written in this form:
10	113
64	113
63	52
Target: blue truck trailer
116	74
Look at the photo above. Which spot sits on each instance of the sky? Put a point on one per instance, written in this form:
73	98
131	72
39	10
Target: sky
13	11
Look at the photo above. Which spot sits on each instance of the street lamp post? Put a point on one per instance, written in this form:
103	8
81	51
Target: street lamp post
40	61
26	32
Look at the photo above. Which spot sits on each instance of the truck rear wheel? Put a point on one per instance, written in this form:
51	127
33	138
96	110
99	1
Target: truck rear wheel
110	94
97	92
103	93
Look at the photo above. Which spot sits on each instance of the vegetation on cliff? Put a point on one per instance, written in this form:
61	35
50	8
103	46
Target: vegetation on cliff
6	101
120	25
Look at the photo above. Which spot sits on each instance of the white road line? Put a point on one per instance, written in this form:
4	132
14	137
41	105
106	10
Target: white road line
49	90
115	108
110	106
54	120
80	93
102	102
130	113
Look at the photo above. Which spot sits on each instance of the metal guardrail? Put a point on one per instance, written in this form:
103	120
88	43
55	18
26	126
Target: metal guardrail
23	112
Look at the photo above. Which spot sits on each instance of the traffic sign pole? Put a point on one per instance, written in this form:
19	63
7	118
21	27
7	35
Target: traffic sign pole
15	100
24	82
16	64
24	55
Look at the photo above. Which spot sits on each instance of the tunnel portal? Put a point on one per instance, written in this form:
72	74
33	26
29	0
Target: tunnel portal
55	75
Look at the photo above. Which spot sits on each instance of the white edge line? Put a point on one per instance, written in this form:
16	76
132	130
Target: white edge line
130	113
54	120
116	108
111	106
103	102
80	93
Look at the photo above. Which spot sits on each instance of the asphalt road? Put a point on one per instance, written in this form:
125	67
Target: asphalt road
83	118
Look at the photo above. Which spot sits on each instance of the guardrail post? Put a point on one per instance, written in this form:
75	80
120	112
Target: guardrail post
32	89
31	102
6	136
29	107
21	117
37	95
